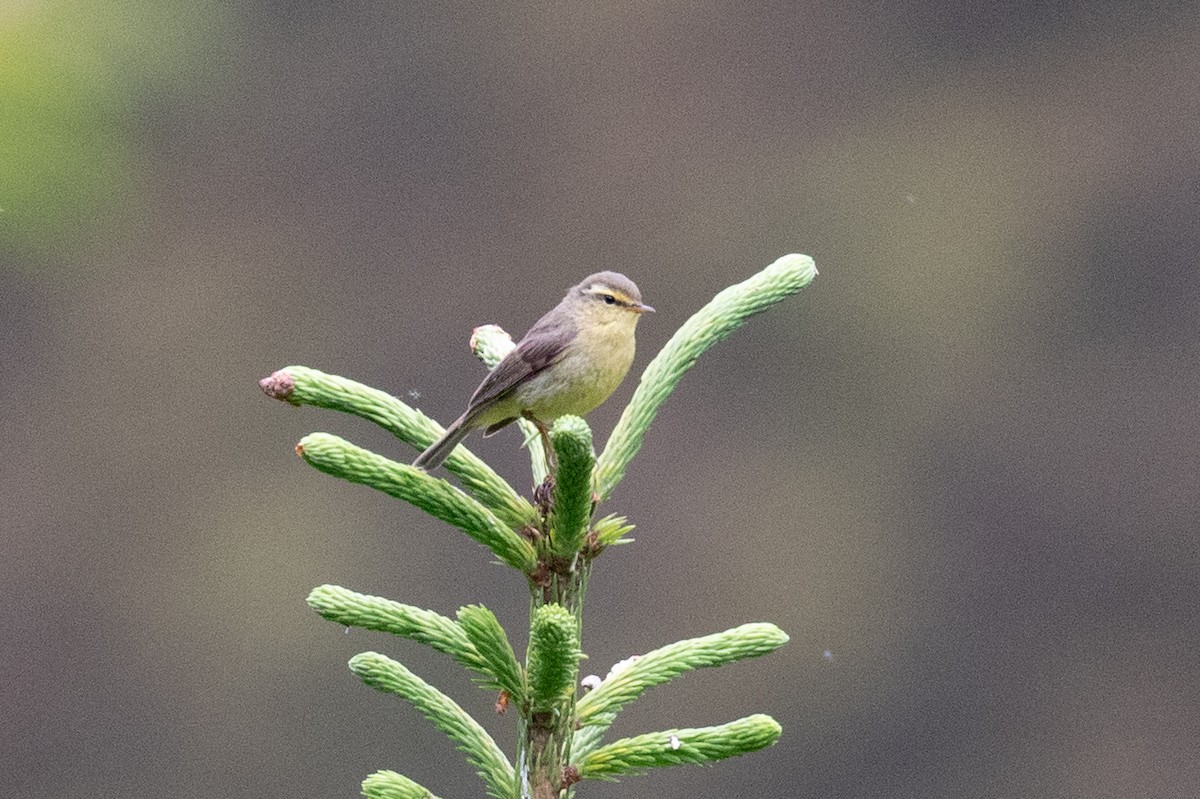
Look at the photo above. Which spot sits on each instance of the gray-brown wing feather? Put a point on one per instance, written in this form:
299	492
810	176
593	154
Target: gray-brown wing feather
541	346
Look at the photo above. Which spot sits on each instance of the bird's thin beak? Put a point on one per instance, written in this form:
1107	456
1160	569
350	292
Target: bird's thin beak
640	308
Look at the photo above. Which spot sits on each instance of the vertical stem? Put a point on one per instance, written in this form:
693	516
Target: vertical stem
566	505
545	745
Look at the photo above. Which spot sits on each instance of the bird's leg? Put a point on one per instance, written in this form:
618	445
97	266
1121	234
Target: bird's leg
547	447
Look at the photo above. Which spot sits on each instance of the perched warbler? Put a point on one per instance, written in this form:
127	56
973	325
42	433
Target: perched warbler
569	362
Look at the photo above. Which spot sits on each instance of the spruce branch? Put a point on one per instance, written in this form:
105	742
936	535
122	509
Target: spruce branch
489	640
300	385
723	314
553	657
384	674
338	457
611	530
560	735
572	440
597	710
676	747
390	785
352	609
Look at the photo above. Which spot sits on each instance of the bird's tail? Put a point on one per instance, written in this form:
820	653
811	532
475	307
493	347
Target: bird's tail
439	450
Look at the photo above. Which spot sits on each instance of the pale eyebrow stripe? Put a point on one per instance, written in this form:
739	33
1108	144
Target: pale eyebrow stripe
602	289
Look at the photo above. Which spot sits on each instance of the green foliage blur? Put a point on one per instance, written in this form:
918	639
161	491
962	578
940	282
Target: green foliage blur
71	74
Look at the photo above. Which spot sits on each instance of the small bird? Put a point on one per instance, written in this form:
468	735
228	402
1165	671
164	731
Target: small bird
569	362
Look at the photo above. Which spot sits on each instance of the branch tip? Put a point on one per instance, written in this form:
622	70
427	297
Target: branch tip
279	385
492	337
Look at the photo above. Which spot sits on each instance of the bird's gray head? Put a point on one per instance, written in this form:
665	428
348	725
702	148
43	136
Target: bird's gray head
612	289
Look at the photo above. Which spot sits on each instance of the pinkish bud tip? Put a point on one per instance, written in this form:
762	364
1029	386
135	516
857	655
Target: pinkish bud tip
278	385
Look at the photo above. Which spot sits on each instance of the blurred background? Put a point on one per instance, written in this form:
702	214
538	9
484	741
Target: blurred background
960	470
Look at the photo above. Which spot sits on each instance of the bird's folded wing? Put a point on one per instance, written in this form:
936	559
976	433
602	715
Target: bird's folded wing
541	346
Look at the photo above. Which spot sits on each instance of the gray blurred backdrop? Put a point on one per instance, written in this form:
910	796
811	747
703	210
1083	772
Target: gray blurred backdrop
960	470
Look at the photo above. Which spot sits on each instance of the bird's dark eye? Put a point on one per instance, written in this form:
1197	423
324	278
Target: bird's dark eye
609	299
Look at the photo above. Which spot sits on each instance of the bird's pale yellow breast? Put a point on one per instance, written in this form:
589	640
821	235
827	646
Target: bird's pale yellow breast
588	372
